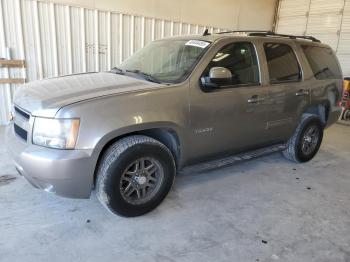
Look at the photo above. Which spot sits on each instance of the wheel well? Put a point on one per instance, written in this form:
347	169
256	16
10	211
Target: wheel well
321	110
166	136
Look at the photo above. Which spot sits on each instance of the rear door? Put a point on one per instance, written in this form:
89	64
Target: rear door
288	94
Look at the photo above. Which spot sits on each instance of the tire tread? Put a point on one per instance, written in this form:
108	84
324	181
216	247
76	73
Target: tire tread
291	147
111	154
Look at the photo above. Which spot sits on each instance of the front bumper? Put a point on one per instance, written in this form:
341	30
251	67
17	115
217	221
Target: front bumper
68	173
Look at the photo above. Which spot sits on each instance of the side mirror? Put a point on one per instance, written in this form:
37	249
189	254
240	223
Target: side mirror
217	76
220	74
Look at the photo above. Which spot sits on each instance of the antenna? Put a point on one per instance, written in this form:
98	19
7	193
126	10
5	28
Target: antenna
206	32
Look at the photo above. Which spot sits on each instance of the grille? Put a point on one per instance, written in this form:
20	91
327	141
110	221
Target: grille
21	132
22	113
21	123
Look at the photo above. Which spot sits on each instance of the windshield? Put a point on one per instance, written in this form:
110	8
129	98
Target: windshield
169	61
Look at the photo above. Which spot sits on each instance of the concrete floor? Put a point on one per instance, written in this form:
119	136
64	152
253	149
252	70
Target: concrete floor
266	209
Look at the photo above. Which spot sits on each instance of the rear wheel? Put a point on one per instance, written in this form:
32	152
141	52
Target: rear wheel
306	140
135	175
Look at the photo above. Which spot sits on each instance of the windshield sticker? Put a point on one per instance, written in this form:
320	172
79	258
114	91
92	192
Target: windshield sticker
198	43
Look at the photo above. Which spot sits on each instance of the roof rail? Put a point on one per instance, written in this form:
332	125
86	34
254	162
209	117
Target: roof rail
270	33
313	39
245	31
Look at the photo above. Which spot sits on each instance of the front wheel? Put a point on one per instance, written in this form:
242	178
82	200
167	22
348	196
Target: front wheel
134	176
306	140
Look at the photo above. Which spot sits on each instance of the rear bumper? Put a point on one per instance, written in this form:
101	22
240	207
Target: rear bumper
68	173
333	115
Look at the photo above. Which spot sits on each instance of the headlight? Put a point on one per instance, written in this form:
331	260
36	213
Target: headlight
55	133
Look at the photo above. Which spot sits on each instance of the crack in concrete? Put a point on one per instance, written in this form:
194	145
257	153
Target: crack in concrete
6	179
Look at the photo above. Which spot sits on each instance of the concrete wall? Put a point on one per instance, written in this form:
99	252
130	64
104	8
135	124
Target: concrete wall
232	14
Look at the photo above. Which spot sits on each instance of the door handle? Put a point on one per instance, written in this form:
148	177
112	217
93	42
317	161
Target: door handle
302	92
255	99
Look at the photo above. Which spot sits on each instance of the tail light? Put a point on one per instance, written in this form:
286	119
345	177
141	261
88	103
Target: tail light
345	102
346	84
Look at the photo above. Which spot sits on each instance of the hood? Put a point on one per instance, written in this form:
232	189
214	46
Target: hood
45	97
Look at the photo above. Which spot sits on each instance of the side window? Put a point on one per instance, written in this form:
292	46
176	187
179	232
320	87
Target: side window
282	63
241	60
323	62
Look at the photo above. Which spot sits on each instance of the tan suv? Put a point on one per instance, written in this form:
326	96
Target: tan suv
175	103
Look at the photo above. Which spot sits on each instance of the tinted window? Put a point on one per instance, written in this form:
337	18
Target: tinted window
282	63
241	60
323	62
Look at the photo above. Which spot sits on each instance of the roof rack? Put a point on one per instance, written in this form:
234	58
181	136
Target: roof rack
245	31
270	33
313	39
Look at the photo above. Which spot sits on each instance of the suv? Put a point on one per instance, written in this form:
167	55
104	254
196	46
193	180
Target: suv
175	103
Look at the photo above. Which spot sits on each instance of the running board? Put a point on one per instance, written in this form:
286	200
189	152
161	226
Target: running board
227	161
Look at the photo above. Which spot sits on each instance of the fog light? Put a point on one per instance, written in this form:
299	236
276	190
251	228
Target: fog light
49	189
10	117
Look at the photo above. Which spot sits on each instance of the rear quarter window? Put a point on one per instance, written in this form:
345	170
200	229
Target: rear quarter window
323	62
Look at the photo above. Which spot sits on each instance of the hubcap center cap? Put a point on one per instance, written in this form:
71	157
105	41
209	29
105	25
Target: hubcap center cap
142	180
308	139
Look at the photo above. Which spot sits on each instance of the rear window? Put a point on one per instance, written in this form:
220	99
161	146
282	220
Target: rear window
323	62
282	63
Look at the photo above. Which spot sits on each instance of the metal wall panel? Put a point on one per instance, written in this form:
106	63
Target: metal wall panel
57	39
294	8
324	24
63	39
78	39
5	92
298	28
325	27
344	39
32	43
344	60
327	20
293	12
326	6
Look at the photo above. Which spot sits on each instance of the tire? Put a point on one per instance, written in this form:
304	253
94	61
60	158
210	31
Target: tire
127	166
346	115
294	148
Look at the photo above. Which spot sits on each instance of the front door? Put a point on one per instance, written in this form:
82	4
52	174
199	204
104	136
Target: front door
233	116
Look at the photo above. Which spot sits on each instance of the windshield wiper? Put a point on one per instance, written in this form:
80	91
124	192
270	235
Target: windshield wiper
117	70
146	76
